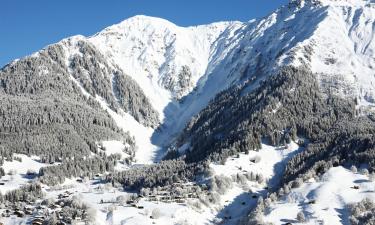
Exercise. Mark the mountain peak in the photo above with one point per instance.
(147, 20)
(334, 2)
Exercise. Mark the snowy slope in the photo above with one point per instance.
(342, 46)
(235, 202)
(154, 51)
(16, 172)
(332, 194)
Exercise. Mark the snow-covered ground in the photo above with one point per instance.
(332, 194)
(146, 150)
(234, 203)
(270, 164)
(16, 172)
(170, 213)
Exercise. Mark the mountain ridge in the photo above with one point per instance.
(180, 69)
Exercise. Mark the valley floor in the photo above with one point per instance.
(330, 195)
(233, 204)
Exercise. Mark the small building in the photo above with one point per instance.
(28, 211)
(55, 206)
(19, 213)
(37, 221)
(181, 201)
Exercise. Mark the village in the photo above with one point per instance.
(66, 208)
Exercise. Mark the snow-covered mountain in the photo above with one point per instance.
(328, 36)
(166, 60)
(180, 69)
(210, 92)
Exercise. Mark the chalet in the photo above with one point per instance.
(19, 213)
(165, 198)
(191, 195)
(78, 218)
(55, 206)
(31, 173)
(153, 198)
(69, 220)
(129, 202)
(312, 202)
(4, 214)
(181, 201)
(39, 217)
(60, 196)
(37, 221)
(28, 211)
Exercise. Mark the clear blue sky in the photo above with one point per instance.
(29, 25)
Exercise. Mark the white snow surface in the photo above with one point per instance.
(114, 147)
(231, 203)
(16, 172)
(332, 193)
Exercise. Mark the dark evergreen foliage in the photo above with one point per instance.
(53, 175)
(27, 193)
(362, 213)
(119, 90)
(43, 112)
(283, 106)
(161, 174)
